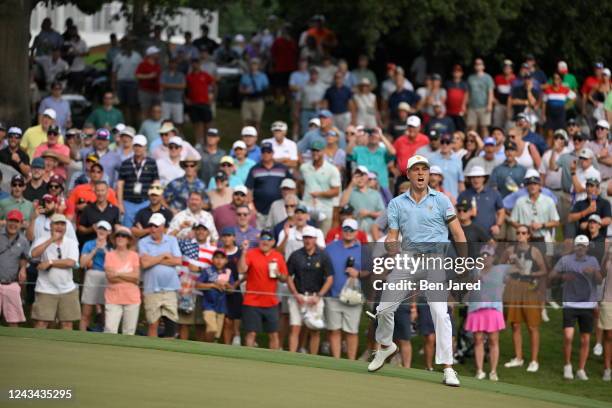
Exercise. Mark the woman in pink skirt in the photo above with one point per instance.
(485, 312)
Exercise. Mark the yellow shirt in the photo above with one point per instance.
(34, 137)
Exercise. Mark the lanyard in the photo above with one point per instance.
(138, 171)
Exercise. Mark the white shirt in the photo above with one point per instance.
(162, 151)
(187, 215)
(42, 229)
(57, 281)
(583, 176)
(294, 240)
(78, 63)
(287, 149)
(169, 170)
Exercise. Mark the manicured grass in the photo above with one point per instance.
(112, 370)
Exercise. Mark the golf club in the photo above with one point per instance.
(373, 316)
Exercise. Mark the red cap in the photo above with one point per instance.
(14, 215)
(50, 198)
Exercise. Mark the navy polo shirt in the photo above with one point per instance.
(265, 184)
(488, 202)
(602, 209)
(338, 99)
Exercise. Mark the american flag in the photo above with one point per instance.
(196, 254)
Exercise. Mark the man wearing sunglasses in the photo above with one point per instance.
(226, 215)
(177, 191)
(83, 194)
(170, 167)
(180, 225)
(14, 250)
(109, 159)
(141, 228)
(16, 201)
(57, 296)
(36, 188)
(37, 135)
(12, 153)
(55, 145)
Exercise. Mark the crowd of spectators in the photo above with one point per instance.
(111, 227)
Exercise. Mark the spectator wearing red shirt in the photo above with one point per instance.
(284, 55)
(503, 86)
(147, 74)
(336, 233)
(263, 267)
(406, 146)
(199, 85)
(456, 97)
(591, 82)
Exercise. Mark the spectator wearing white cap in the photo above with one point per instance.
(581, 274)
(436, 179)
(226, 215)
(160, 147)
(109, 160)
(278, 209)
(148, 73)
(36, 135)
(581, 172)
(368, 203)
(242, 162)
(59, 105)
(170, 167)
(92, 260)
(226, 166)
(489, 212)
(602, 149)
(285, 150)
(13, 155)
(249, 137)
(407, 144)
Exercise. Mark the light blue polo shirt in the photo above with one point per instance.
(451, 168)
(421, 223)
(160, 278)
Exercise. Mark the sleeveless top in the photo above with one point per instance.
(525, 158)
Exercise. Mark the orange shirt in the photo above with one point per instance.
(258, 279)
(86, 193)
(123, 293)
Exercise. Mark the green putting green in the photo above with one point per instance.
(111, 370)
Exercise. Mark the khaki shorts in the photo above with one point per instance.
(605, 316)
(523, 304)
(64, 307)
(161, 304)
(93, 287)
(195, 317)
(252, 110)
(214, 322)
(339, 316)
(478, 117)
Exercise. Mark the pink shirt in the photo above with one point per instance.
(123, 293)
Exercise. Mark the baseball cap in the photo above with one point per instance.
(364, 81)
(73, 132)
(413, 121)
(103, 134)
(309, 231)
(586, 153)
(140, 140)
(581, 240)
(347, 209)
(38, 163)
(279, 125)
(17, 177)
(476, 171)
(598, 65)
(239, 144)
(288, 183)
(489, 141)
(602, 123)
(56, 178)
(220, 175)
(104, 224)
(464, 205)
(324, 113)
(267, 147)
(317, 145)
(120, 229)
(49, 198)
(157, 219)
(403, 106)
(199, 223)
(50, 113)
(53, 129)
(521, 116)
(227, 159)
(175, 140)
(14, 130)
(315, 121)
(532, 177)
(14, 215)
(372, 175)
(446, 137)
(156, 189)
(214, 132)
(571, 121)
(228, 231)
(607, 72)
(152, 50)
(562, 133)
(166, 128)
(351, 224)
(417, 159)
(57, 217)
(302, 208)
(508, 62)
(562, 67)
(266, 235)
(241, 189)
(595, 218)
(580, 136)
(249, 131)
(593, 180)
(434, 134)
(436, 170)
(219, 251)
(362, 169)
(92, 157)
(120, 127)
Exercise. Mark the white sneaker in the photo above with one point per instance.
(598, 350)
(607, 375)
(493, 376)
(567, 372)
(581, 375)
(450, 377)
(545, 317)
(236, 341)
(480, 375)
(515, 362)
(380, 356)
(533, 367)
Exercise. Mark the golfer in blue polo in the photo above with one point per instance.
(424, 218)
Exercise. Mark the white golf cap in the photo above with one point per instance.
(279, 125)
(475, 171)
(104, 224)
(362, 169)
(152, 50)
(413, 121)
(417, 159)
(166, 128)
(50, 113)
(119, 127)
(14, 130)
(309, 231)
(602, 123)
(239, 144)
(288, 183)
(532, 173)
(175, 140)
(596, 218)
(249, 131)
(239, 38)
(436, 170)
(350, 223)
(586, 153)
(562, 66)
(581, 240)
(315, 121)
(241, 189)
(128, 131)
(403, 106)
(140, 140)
(157, 219)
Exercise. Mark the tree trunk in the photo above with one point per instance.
(14, 67)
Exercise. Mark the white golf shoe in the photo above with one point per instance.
(450, 378)
(567, 372)
(598, 350)
(581, 375)
(515, 362)
(533, 367)
(380, 356)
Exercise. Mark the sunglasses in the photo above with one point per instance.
(17, 185)
(578, 140)
(446, 142)
(522, 232)
(189, 165)
(174, 147)
(14, 136)
(461, 210)
(239, 193)
(348, 229)
(351, 133)
(164, 134)
(122, 235)
(59, 253)
(52, 134)
(54, 186)
(227, 165)
(600, 128)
